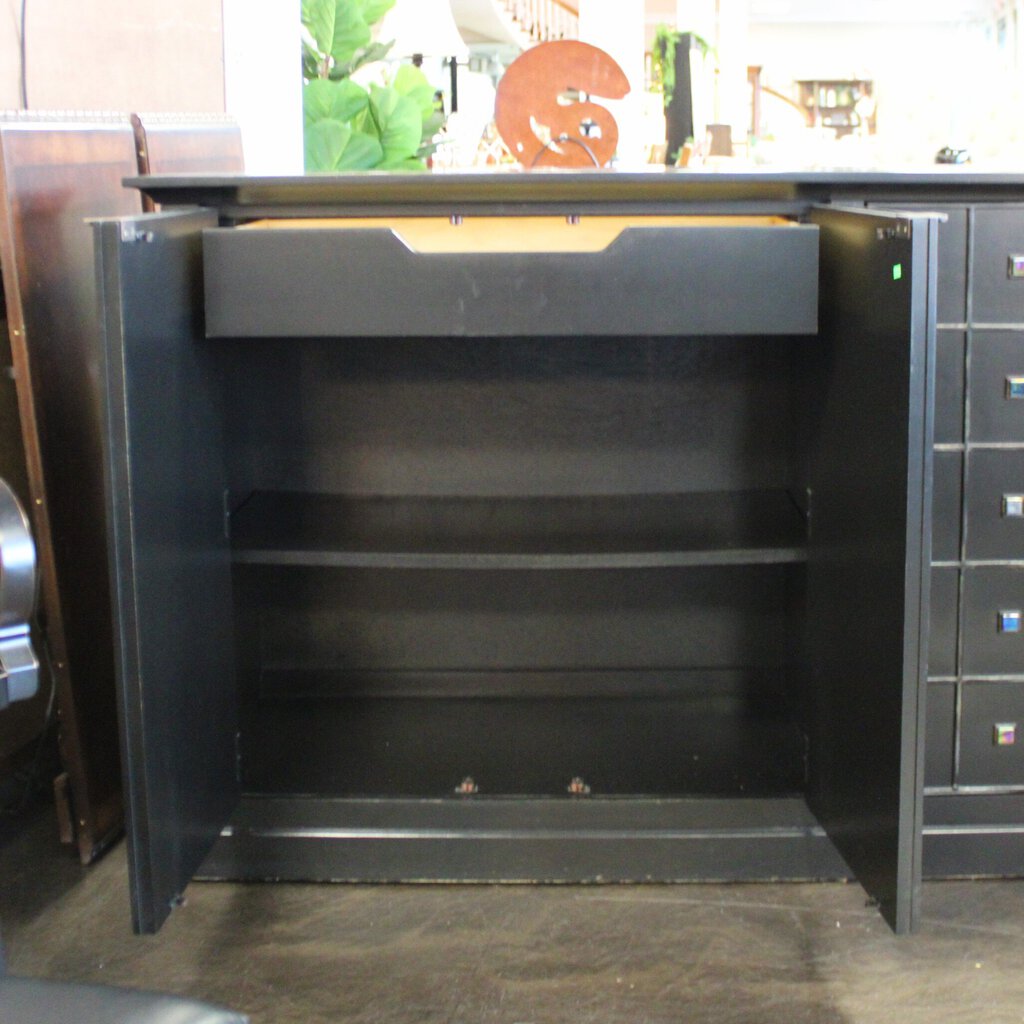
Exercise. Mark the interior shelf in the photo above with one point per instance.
(287, 528)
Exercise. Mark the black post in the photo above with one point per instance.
(679, 110)
(453, 68)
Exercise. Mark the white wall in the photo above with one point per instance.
(129, 55)
(263, 82)
(935, 84)
(618, 27)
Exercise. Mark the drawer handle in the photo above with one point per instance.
(1004, 734)
(1009, 621)
(1015, 387)
(1015, 268)
(1013, 506)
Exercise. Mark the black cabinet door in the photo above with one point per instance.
(869, 546)
(169, 554)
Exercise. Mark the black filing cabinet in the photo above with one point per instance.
(560, 528)
(976, 662)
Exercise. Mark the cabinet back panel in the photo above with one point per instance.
(427, 621)
(547, 416)
(685, 745)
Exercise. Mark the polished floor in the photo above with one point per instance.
(520, 955)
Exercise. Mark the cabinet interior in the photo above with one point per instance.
(520, 562)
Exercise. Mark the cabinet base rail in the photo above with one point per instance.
(523, 840)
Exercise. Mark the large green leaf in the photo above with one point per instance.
(333, 146)
(362, 153)
(374, 10)
(325, 141)
(351, 33)
(334, 101)
(410, 81)
(398, 123)
(318, 16)
(373, 52)
(310, 64)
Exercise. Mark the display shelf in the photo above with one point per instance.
(842, 104)
(596, 532)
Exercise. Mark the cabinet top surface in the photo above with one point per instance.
(247, 195)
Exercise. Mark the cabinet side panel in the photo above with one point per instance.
(170, 561)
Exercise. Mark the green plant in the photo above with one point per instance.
(663, 57)
(346, 126)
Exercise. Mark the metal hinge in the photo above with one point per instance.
(903, 229)
(131, 233)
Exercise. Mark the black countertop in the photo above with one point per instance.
(654, 190)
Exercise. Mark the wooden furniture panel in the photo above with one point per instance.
(54, 174)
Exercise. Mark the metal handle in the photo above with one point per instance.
(19, 667)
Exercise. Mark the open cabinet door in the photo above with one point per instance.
(870, 546)
(170, 561)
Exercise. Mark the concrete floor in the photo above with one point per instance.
(520, 955)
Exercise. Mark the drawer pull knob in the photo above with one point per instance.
(1004, 734)
(1013, 506)
(1015, 267)
(1015, 387)
(1009, 621)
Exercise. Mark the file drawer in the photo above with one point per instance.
(995, 504)
(992, 734)
(992, 625)
(512, 277)
(997, 386)
(998, 266)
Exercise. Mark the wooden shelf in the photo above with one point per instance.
(601, 532)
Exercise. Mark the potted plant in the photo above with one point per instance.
(671, 63)
(349, 127)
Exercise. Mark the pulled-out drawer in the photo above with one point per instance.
(511, 276)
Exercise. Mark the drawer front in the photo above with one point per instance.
(940, 730)
(345, 282)
(998, 292)
(946, 506)
(995, 504)
(997, 386)
(949, 387)
(942, 634)
(992, 734)
(993, 627)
